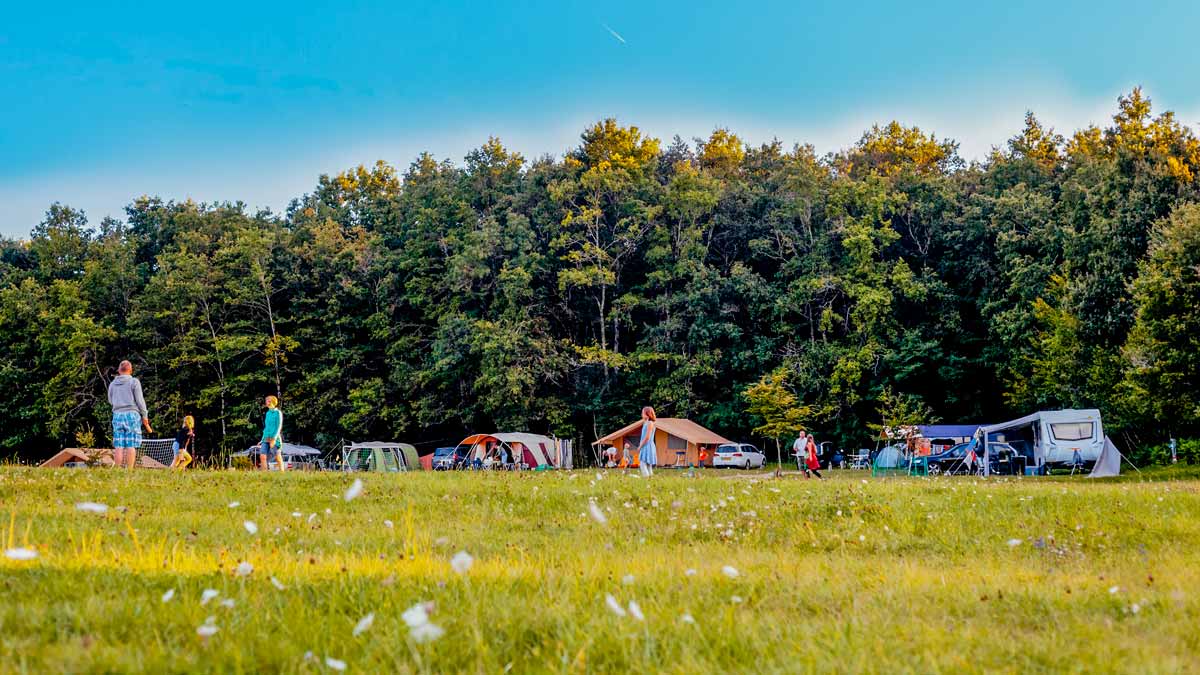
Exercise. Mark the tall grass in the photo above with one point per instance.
(848, 574)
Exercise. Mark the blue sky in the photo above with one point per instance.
(253, 100)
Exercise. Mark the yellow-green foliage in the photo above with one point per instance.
(845, 575)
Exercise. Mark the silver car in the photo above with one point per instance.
(738, 455)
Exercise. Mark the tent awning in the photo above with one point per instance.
(948, 430)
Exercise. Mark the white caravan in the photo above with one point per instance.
(1053, 435)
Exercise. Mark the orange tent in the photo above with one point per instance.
(679, 441)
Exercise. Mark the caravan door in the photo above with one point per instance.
(1065, 431)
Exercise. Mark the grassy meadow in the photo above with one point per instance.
(725, 572)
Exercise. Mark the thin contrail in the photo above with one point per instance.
(614, 33)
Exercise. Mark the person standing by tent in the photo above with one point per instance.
(183, 443)
(129, 415)
(272, 436)
(812, 463)
(647, 450)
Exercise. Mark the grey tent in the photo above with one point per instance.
(1109, 461)
(288, 450)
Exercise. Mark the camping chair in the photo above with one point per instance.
(1076, 463)
(861, 459)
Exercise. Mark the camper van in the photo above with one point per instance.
(1053, 436)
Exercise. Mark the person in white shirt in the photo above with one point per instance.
(800, 450)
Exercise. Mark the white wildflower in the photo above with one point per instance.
(335, 663)
(1114, 590)
(20, 554)
(689, 572)
(207, 630)
(208, 595)
(228, 603)
(91, 507)
(417, 615)
(687, 618)
(635, 611)
(597, 514)
(627, 579)
(388, 524)
(277, 584)
(250, 526)
(364, 624)
(354, 490)
(730, 572)
(234, 505)
(461, 562)
(426, 633)
(166, 597)
(1014, 542)
(244, 569)
(613, 605)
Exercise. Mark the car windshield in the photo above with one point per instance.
(727, 448)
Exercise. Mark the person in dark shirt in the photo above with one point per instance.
(183, 443)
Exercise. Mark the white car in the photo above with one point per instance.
(738, 455)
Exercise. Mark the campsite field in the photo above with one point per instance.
(852, 574)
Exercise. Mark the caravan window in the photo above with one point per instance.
(676, 443)
(1072, 431)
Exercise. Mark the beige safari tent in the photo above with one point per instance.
(96, 457)
(679, 441)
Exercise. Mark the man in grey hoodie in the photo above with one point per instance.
(129, 415)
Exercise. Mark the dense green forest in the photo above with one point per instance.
(561, 294)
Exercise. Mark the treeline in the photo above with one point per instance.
(562, 294)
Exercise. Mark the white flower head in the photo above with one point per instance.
(635, 611)
(166, 597)
(228, 603)
(427, 632)
(388, 524)
(335, 664)
(234, 505)
(243, 569)
(687, 618)
(91, 507)
(250, 526)
(1114, 590)
(20, 554)
(597, 513)
(364, 624)
(627, 580)
(208, 595)
(461, 562)
(277, 584)
(417, 615)
(730, 572)
(354, 490)
(207, 630)
(1013, 543)
(690, 572)
(613, 605)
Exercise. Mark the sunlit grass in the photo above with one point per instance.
(886, 575)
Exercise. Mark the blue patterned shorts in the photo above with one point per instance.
(127, 430)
